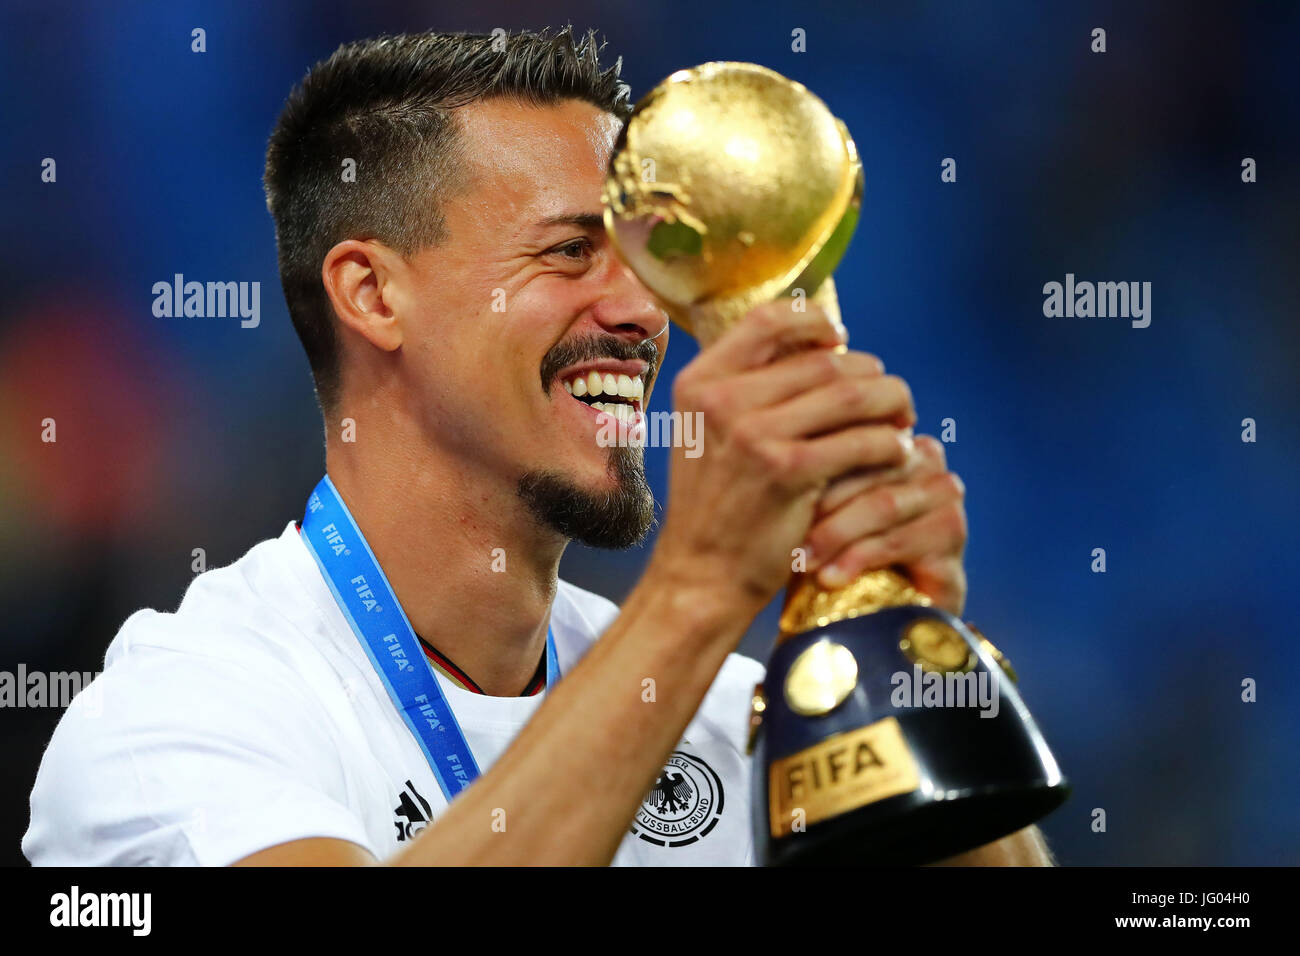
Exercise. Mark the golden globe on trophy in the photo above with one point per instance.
(732, 185)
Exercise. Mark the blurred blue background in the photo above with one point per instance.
(1072, 434)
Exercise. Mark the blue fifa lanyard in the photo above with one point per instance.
(367, 600)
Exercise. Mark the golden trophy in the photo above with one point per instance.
(730, 186)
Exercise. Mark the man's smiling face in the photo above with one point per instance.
(524, 313)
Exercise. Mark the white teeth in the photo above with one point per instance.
(629, 387)
(624, 413)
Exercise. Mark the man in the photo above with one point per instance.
(322, 700)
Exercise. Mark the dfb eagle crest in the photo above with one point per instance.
(671, 792)
(683, 806)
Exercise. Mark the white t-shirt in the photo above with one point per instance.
(252, 716)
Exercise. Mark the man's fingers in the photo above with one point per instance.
(819, 460)
(810, 369)
(943, 578)
(877, 511)
(922, 461)
(941, 531)
(844, 402)
(767, 332)
(932, 450)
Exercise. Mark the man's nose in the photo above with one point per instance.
(627, 307)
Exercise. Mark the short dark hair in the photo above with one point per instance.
(386, 104)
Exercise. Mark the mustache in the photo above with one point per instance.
(592, 347)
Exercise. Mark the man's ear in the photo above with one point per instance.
(357, 276)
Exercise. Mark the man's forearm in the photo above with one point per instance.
(566, 789)
(1023, 848)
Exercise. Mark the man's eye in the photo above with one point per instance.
(577, 249)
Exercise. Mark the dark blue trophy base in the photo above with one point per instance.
(982, 772)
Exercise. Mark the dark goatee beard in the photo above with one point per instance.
(611, 519)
